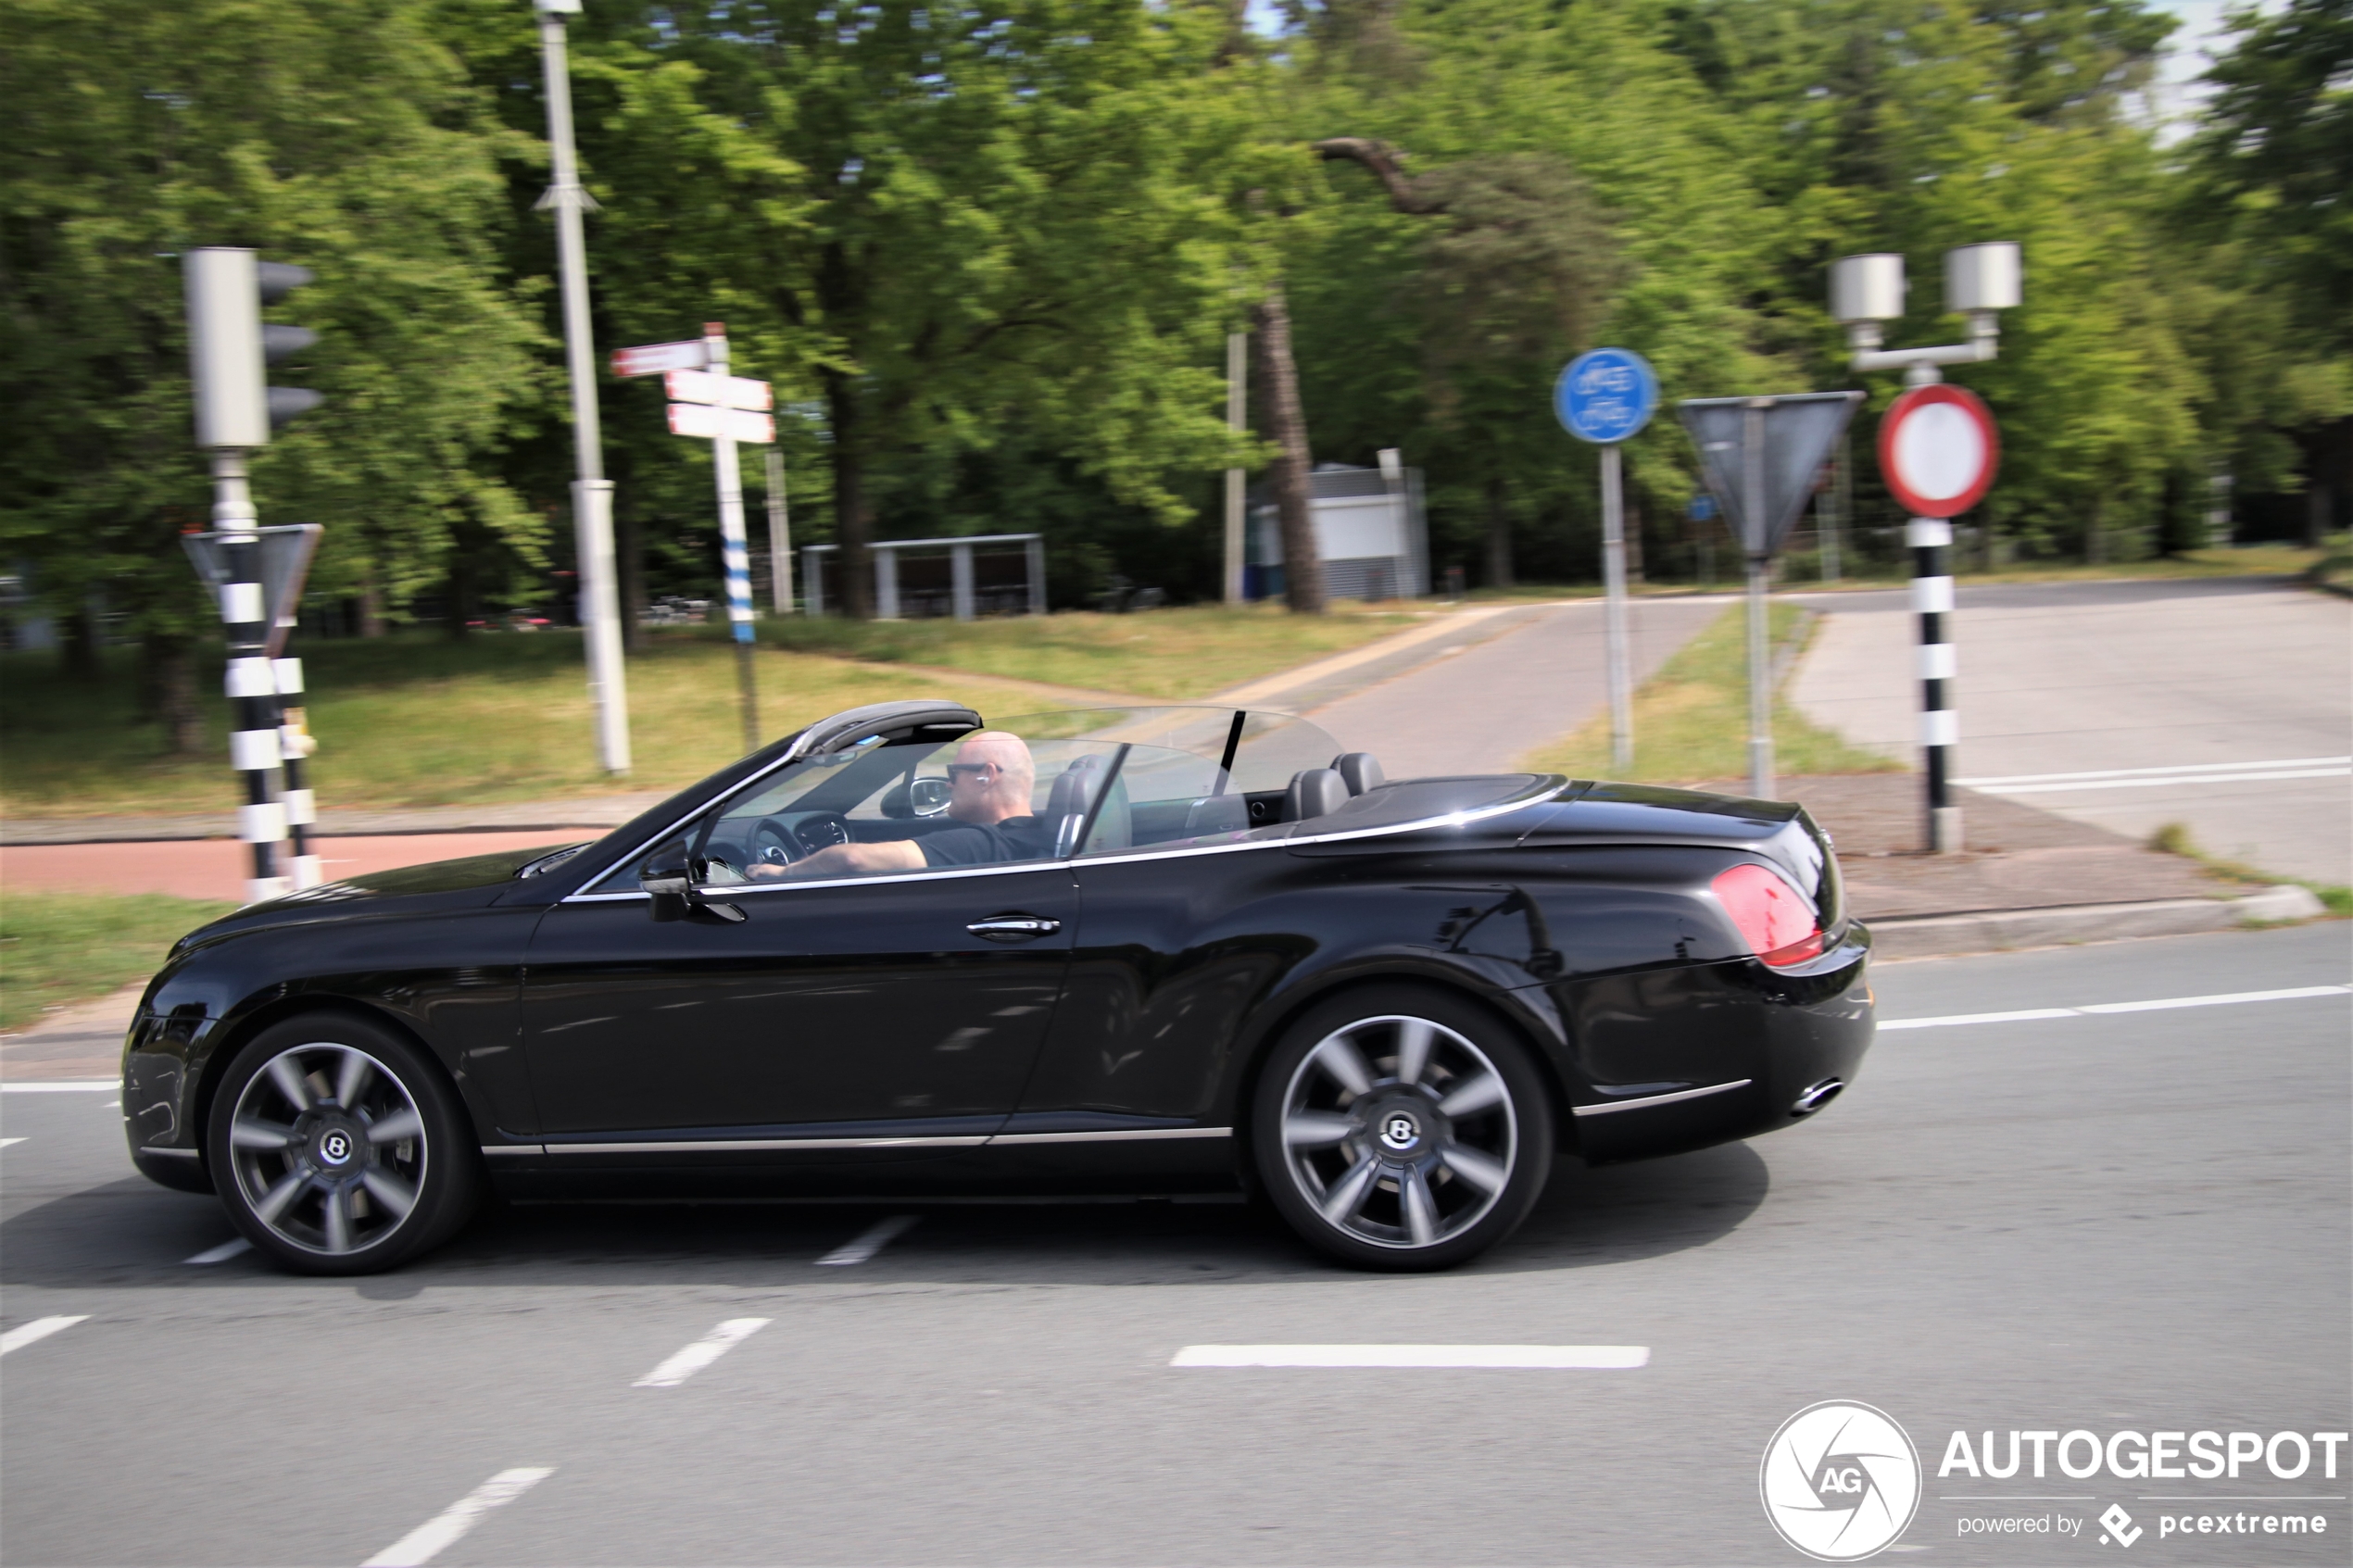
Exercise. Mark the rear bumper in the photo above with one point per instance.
(1681, 1058)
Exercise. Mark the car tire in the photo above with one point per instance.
(1384, 1172)
(339, 1147)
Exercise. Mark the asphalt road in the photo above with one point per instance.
(2097, 1221)
(2225, 705)
(1472, 707)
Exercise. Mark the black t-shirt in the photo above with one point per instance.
(970, 844)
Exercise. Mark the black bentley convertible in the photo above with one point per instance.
(1145, 952)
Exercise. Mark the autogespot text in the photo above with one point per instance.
(2153, 1456)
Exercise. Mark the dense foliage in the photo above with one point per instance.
(989, 254)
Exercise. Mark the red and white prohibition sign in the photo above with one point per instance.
(1938, 450)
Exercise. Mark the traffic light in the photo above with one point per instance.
(228, 346)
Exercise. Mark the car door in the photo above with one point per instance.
(841, 1014)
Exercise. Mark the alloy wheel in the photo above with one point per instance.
(1399, 1131)
(328, 1149)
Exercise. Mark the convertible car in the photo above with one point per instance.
(1144, 951)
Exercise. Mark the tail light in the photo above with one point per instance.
(1777, 920)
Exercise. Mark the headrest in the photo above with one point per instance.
(1314, 792)
(1075, 787)
(1358, 771)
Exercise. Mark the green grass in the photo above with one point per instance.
(58, 948)
(1168, 655)
(1691, 720)
(2174, 838)
(422, 720)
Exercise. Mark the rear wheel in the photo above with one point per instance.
(338, 1148)
(1399, 1127)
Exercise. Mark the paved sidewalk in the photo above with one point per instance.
(81, 1041)
(2224, 704)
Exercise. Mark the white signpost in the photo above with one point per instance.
(709, 404)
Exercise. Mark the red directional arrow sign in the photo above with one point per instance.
(1938, 450)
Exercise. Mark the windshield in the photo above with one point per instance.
(1033, 788)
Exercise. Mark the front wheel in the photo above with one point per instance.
(338, 1148)
(1401, 1128)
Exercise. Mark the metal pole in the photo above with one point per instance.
(1940, 724)
(1760, 663)
(1237, 420)
(779, 534)
(1830, 514)
(1621, 685)
(591, 494)
(296, 744)
(733, 551)
(255, 749)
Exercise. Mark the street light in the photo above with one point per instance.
(1980, 280)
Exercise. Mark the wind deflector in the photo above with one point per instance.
(932, 721)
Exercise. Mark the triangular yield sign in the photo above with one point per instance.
(286, 565)
(1795, 432)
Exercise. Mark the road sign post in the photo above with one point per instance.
(1607, 397)
(779, 534)
(1945, 447)
(711, 404)
(1761, 455)
(1938, 450)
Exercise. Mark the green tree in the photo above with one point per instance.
(335, 133)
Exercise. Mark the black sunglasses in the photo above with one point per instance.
(977, 769)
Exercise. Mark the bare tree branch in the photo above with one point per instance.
(1387, 165)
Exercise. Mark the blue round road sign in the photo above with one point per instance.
(1606, 396)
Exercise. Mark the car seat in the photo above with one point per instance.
(1066, 806)
(1358, 771)
(1314, 792)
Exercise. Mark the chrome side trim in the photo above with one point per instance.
(1646, 1102)
(1124, 1136)
(175, 1153)
(514, 1148)
(1451, 819)
(741, 1145)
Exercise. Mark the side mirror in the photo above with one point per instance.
(928, 796)
(669, 879)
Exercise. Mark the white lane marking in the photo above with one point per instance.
(701, 1353)
(2171, 779)
(1586, 1358)
(2162, 1004)
(429, 1539)
(223, 1252)
(63, 1086)
(10, 1143)
(39, 1328)
(2158, 772)
(877, 1236)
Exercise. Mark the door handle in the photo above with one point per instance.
(1014, 927)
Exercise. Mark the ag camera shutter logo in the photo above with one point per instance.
(1840, 1481)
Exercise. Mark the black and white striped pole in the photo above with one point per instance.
(255, 749)
(1938, 451)
(228, 349)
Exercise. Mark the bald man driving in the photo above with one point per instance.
(988, 788)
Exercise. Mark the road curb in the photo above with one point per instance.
(1994, 930)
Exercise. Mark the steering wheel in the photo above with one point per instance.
(778, 842)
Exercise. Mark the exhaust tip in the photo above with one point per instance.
(1820, 1094)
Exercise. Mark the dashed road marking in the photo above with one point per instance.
(701, 1353)
(877, 1236)
(63, 1086)
(221, 1253)
(10, 1143)
(1581, 1358)
(2094, 1009)
(436, 1534)
(39, 1328)
(2151, 778)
